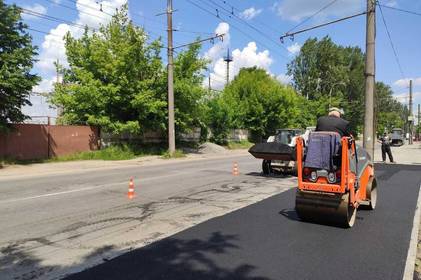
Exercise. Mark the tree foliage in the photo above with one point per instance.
(117, 80)
(324, 71)
(256, 101)
(389, 112)
(188, 90)
(16, 61)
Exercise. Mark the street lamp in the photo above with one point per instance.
(330, 92)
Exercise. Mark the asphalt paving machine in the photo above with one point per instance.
(335, 178)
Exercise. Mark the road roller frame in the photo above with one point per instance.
(324, 202)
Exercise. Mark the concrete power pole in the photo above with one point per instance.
(368, 141)
(419, 121)
(209, 84)
(171, 129)
(58, 71)
(228, 59)
(410, 115)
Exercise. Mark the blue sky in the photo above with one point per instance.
(249, 46)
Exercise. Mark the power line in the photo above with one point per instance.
(111, 15)
(217, 36)
(108, 5)
(73, 9)
(313, 15)
(54, 19)
(44, 32)
(398, 9)
(391, 43)
(233, 26)
(320, 25)
(233, 8)
(51, 18)
(240, 20)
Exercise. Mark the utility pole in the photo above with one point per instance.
(368, 141)
(209, 84)
(171, 129)
(419, 121)
(228, 59)
(57, 71)
(411, 115)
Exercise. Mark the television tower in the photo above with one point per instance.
(228, 59)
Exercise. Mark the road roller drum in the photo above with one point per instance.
(331, 189)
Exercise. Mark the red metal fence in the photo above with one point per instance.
(35, 141)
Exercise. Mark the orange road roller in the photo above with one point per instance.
(335, 178)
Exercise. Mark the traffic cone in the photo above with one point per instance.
(235, 170)
(130, 193)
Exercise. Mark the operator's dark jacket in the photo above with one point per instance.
(335, 124)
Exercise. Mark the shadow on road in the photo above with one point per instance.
(175, 259)
(290, 214)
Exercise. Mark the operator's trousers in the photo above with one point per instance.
(386, 149)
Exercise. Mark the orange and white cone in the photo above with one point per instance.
(235, 170)
(130, 193)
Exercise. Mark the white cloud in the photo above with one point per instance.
(46, 85)
(249, 56)
(250, 13)
(294, 48)
(297, 10)
(391, 3)
(405, 82)
(404, 97)
(285, 79)
(219, 49)
(36, 8)
(53, 48)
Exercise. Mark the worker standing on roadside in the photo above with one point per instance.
(385, 141)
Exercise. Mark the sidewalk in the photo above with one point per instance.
(406, 154)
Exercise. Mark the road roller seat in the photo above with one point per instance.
(323, 151)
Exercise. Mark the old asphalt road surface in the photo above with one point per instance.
(52, 225)
(266, 241)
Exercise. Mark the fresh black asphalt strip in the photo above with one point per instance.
(267, 241)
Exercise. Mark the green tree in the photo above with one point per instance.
(115, 79)
(16, 61)
(217, 120)
(256, 101)
(188, 89)
(324, 72)
(389, 112)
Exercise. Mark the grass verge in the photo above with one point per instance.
(177, 154)
(233, 145)
(115, 152)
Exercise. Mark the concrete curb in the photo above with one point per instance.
(412, 251)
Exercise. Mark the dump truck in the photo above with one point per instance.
(397, 137)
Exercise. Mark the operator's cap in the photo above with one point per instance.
(336, 109)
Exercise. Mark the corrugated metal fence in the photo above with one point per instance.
(37, 141)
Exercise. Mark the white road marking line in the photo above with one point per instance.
(412, 251)
(98, 187)
(88, 188)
